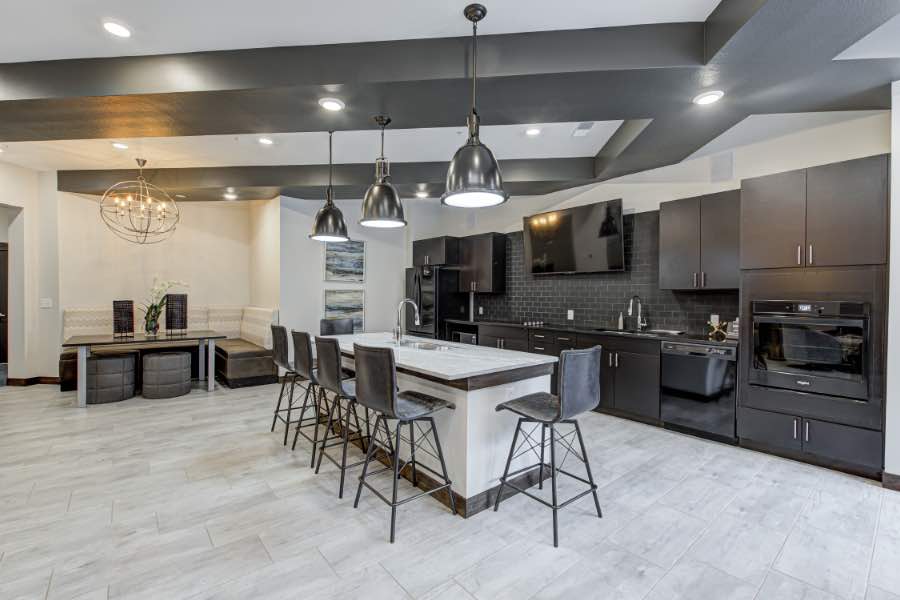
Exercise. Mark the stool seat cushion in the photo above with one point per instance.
(539, 406)
(238, 348)
(413, 405)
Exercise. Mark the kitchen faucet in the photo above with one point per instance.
(639, 322)
(398, 332)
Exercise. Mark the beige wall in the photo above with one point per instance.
(892, 404)
(210, 251)
(265, 252)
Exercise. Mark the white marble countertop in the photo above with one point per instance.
(452, 361)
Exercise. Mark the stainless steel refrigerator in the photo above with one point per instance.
(436, 292)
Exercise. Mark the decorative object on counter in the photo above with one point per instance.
(717, 328)
(381, 205)
(621, 324)
(329, 223)
(176, 314)
(155, 304)
(139, 212)
(123, 318)
(473, 178)
(345, 261)
(732, 332)
(343, 304)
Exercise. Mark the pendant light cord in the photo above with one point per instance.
(330, 168)
(382, 140)
(474, 62)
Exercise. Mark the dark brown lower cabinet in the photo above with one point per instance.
(637, 384)
(829, 442)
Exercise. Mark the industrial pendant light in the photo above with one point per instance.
(381, 205)
(473, 179)
(329, 225)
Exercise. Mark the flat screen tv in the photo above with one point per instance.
(582, 239)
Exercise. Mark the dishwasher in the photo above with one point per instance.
(698, 383)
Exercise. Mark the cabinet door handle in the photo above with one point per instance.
(538, 348)
(810, 254)
(610, 358)
(538, 336)
(806, 431)
(694, 280)
(799, 251)
(617, 360)
(703, 279)
(795, 429)
(561, 339)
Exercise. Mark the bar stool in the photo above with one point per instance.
(376, 389)
(330, 377)
(282, 360)
(335, 326)
(579, 391)
(314, 397)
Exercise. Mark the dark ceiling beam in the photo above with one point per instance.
(521, 176)
(654, 46)
(724, 22)
(618, 143)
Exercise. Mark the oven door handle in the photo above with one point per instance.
(861, 323)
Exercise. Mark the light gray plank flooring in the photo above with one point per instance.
(193, 498)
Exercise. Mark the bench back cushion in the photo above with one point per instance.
(226, 320)
(256, 325)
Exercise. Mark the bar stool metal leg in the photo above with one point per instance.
(396, 477)
(278, 407)
(440, 453)
(290, 406)
(553, 485)
(512, 450)
(543, 443)
(365, 470)
(587, 466)
(412, 451)
(334, 405)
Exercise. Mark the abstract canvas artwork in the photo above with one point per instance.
(345, 261)
(343, 304)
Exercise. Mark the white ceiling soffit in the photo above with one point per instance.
(758, 128)
(884, 42)
(310, 148)
(73, 28)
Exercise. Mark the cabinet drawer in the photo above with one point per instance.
(539, 347)
(509, 332)
(770, 428)
(565, 341)
(843, 443)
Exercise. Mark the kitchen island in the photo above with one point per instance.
(475, 438)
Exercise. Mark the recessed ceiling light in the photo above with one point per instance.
(230, 196)
(120, 146)
(266, 141)
(421, 194)
(332, 104)
(532, 131)
(709, 97)
(116, 29)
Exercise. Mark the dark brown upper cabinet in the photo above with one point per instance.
(482, 263)
(832, 215)
(699, 245)
(847, 212)
(442, 250)
(773, 220)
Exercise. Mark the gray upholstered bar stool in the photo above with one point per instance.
(330, 377)
(314, 398)
(282, 360)
(376, 389)
(335, 326)
(579, 391)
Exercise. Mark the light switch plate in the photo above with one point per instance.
(480, 310)
(46, 302)
(570, 315)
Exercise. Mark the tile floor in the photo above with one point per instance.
(194, 498)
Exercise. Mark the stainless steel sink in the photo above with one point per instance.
(425, 346)
(665, 332)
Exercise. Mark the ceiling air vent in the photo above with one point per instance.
(582, 129)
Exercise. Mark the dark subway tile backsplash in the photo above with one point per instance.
(598, 298)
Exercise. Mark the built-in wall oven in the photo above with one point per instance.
(819, 347)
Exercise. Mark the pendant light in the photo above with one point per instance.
(381, 205)
(473, 178)
(329, 225)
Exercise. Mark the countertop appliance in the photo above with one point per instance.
(697, 390)
(436, 292)
(819, 347)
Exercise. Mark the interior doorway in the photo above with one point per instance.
(4, 295)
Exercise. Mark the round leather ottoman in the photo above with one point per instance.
(110, 378)
(166, 374)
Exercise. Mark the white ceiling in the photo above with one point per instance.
(757, 128)
(72, 28)
(884, 42)
(401, 145)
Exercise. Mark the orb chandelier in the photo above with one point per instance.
(138, 211)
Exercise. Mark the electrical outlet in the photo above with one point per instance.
(480, 310)
(46, 302)
(570, 315)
